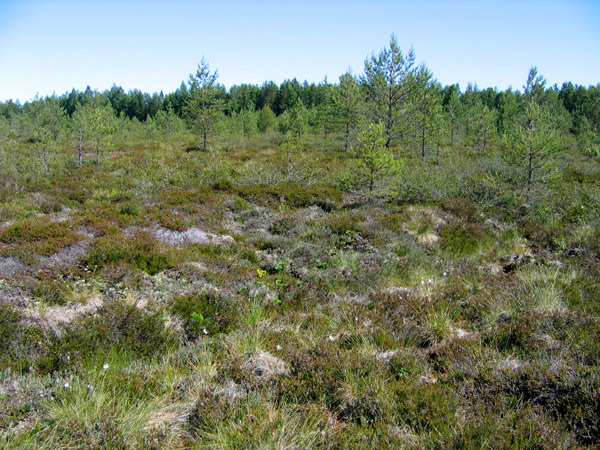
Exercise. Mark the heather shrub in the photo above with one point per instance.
(140, 250)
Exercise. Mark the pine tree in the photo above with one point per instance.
(389, 78)
(533, 143)
(298, 118)
(93, 124)
(376, 159)
(266, 119)
(428, 108)
(47, 119)
(204, 106)
(347, 102)
(454, 111)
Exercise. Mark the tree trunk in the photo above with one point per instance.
(388, 128)
(45, 161)
(79, 151)
(530, 168)
(531, 127)
(484, 139)
(347, 135)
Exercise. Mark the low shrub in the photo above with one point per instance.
(568, 392)
(222, 185)
(294, 196)
(463, 239)
(52, 291)
(129, 209)
(203, 313)
(343, 223)
(464, 208)
(548, 235)
(284, 224)
(515, 335)
(43, 238)
(9, 322)
(142, 251)
(174, 222)
(21, 343)
(120, 326)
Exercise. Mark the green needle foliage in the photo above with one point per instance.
(390, 82)
(533, 143)
(204, 105)
(47, 119)
(348, 103)
(374, 156)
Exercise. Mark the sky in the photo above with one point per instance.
(51, 47)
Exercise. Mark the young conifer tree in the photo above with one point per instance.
(204, 105)
(534, 141)
(347, 101)
(47, 119)
(376, 160)
(389, 79)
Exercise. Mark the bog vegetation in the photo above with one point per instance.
(382, 262)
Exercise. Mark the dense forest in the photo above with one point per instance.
(379, 262)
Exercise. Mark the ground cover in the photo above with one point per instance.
(238, 298)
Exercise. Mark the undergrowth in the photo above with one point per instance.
(446, 310)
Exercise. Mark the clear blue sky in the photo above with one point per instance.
(54, 46)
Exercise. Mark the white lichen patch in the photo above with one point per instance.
(52, 318)
(191, 236)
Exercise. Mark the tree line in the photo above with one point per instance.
(415, 111)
